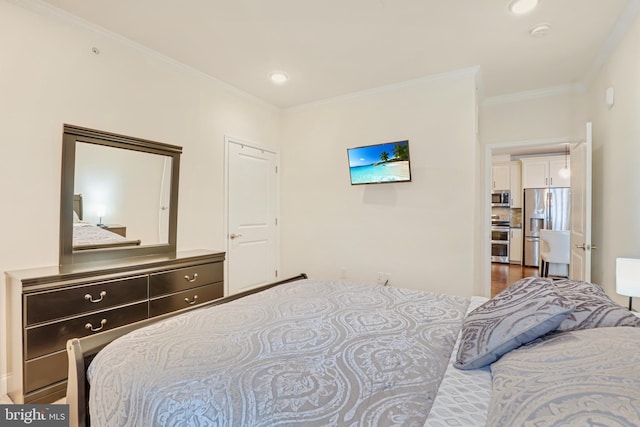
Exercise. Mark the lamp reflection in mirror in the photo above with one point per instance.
(100, 212)
(628, 277)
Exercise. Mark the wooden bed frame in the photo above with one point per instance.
(81, 352)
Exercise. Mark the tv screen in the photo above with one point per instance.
(380, 163)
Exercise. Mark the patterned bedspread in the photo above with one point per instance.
(89, 236)
(306, 353)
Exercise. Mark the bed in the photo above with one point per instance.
(90, 236)
(313, 352)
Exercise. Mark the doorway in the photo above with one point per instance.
(252, 203)
(506, 275)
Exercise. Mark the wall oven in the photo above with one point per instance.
(500, 241)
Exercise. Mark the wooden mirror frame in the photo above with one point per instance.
(73, 134)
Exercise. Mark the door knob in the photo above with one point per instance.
(585, 247)
(234, 235)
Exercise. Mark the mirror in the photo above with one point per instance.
(118, 196)
(120, 190)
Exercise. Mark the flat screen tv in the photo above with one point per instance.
(380, 163)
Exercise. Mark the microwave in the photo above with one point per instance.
(500, 198)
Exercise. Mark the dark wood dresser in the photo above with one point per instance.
(48, 306)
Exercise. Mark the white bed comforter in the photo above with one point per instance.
(304, 353)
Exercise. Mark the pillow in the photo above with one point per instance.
(524, 311)
(76, 218)
(577, 378)
(594, 308)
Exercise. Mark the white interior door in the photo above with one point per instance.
(581, 246)
(252, 201)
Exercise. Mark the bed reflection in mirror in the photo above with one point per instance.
(121, 197)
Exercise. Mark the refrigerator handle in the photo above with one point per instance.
(549, 225)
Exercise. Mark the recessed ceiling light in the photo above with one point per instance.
(279, 77)
(540, 30)
(520, 7)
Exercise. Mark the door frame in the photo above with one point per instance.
(587, 244)
(486, 220)
(229, 139)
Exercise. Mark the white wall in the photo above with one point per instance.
(616, 162)
(49, 76)
(421, 233)
(533, 116)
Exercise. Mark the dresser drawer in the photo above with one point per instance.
(52, 337)
(185, 299)
(45, 371)
(184, 278)
(56, 304)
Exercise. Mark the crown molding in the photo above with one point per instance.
(60, 15)
(452, 75)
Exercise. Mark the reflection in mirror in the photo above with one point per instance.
(124, 197)
(119, 196)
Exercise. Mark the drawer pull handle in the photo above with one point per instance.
(191, 279)
(89, 297)
(91, 328)
(193, 301)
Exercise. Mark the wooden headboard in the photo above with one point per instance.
(77, 204)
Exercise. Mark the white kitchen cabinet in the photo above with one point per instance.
(543, 172)
(500, 177)
(515, 246)
(535, 173)
(555, 179)
(508, 177)
(515, 184)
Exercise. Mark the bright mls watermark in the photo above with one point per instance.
(34, 415)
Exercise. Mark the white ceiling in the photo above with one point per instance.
(331, 48)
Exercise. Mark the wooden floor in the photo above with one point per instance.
(503, 275)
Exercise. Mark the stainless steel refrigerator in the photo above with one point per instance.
(544, 208)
